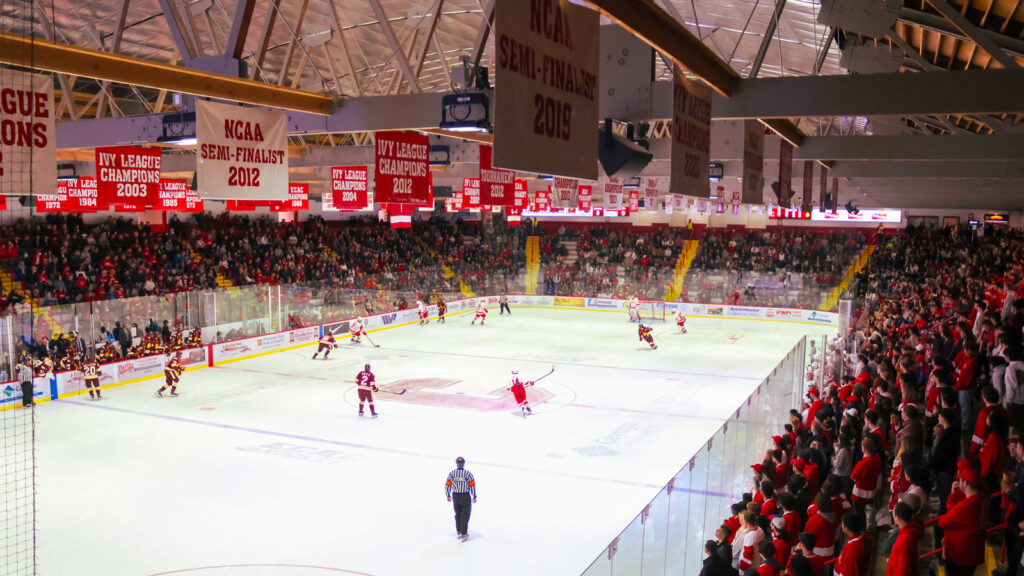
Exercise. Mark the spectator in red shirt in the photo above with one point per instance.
(855, 559)
(904, 558)
(804, 553)
(966, 374)
(865, 478)
(963, 544)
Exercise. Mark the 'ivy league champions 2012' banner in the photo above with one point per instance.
(402, 168)
(242, 152)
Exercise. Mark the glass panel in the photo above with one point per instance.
(677, 560)
(602, 566)
(656, 536)
(698, 501)
(629, 556)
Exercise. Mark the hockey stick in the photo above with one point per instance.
(370, 340)
(395, 393)
(545, 376)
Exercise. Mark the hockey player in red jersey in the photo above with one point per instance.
(357, 329)
(481, 313)
(172, 371)
(91, 371)
(422, 312)
(518, 389)
(327, 344)
(644, 332)
(442, 308)
(366, 388)
(681, 321)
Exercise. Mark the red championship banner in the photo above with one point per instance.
(349, 188)
(403, 168)
(613, 193)
(193, 203)
(585, 196)
(57, 202)
(545, 103)
(565, 192)
(172, 195)
(127, 175)
(634, 200)
(691, 136)
(242, 152)
(28, 146)
(243, 205)
(522, 193)
(3, 202)
(470, 193)
(542, 200)
(454, 204)
(298, 199)
(753, 162)
(82, 196)
(496, 186)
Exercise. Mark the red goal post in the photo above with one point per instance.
(652, 311)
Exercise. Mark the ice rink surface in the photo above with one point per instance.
(262, 467)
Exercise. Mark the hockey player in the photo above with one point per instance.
(327, 344)
(644, 332)
(481, 313)
(442, 308)
(518, 389)
(177, 342)
(43, 368)
(365, 382)
(172, 371)
(422, 312)
(108, 353)
(91, 372)
(634, 309)
(681, 321)
(195, 338)
(357, 329)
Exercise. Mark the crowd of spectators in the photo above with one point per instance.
(906, 449)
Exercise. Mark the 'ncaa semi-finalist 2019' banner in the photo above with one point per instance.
(546, 109)
(243, 152)
(28, 142)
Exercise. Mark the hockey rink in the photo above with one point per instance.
(262, 466)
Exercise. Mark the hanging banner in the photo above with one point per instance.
(402, 168)
(785, 173)
(497, 187)
(542, 200)
(193, 203)
(242, 205)
(808, 198)
(171, 195)
(454, 204)
(81, 195)
(634, 200)
(3, 202)
(28, 141)
(56, 202)
(298, 199)
(585, 195)
(651, 199)
(513, 216)
(127, 175)
(753, 162)
(691, 137)
(565, 192)
(546, 97)
(835, 195)
(522, 193)
(822, 188)
(349, 189)
(470, 193)
(242, 153)
(613, 193)
(399, 215)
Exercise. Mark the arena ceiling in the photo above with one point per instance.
(352, 49)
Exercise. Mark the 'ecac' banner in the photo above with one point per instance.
(403, 168)
(242, 152)
(127, 175)
(349, 186)
(497, 186)
(545, 106)
(28, 148)
(522, 192)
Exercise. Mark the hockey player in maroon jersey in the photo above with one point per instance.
(481, 313)
(366, 388)
(195, 338)
(108, 353)
(43, 367)
(644, 332)
(177, 342)
(327, 344)
(518, 389)
(357, 330)
(172, 371)
(681, 321)
(442, 308)
(91, 371)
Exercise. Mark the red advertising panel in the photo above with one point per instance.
(298, 199)
(496, 186)
(127, 175)
(349, 188)
(586, 193)
(403, 168)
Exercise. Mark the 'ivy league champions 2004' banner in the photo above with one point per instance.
(242, 152)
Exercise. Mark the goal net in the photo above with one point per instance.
(651, 311)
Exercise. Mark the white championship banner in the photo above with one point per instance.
(691, 137)
(545, 100)
(28, 141)
(753, 162)
(242, 152)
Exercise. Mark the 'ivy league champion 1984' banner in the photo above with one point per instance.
(242, 152)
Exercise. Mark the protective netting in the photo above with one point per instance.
(17, 491)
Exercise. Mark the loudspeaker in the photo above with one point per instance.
(620, 156)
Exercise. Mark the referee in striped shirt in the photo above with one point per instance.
(461, 486)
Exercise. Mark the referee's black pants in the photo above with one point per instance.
(463, 505)
(26, 394)
(504, 308)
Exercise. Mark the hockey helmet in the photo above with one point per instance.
(460, 460)
(515, 372)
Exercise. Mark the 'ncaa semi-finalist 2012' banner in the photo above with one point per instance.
(28, 141)
(546, 108)
(243, 152)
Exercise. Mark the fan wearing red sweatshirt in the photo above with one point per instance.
(823, 524)
(963, 544)
(865, 477)
(855, 559)
(903, 560)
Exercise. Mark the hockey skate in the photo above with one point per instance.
(175, 394)
(159, 394)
